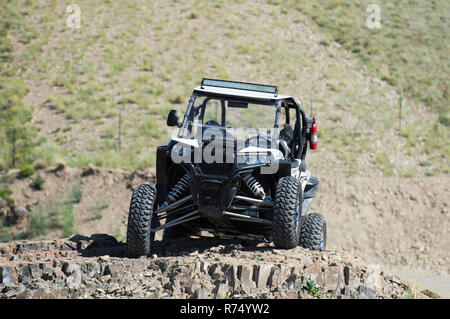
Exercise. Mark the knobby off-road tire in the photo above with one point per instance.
(313, 232)
(287, 213)
(139, 237)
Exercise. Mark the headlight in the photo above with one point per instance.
(252, 159)
(260, 158)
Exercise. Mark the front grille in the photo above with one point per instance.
(210, 190)
(216, 168)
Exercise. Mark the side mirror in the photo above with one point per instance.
(172, 119)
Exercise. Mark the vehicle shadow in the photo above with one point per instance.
(188, 246)
(99, 245)
(102, 244)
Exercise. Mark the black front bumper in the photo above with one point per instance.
(214, 193)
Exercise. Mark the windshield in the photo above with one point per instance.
(243, 119)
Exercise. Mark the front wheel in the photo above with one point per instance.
(139, 236)
(313, 232)
(287, 213)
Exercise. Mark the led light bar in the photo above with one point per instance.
(240, 86)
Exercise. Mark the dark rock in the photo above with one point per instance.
(293, 295)
(162, 264)
(231, 276)
(73, 271)
(90, 170)
(294, 282)
(24, 274)
(366, 293)
(58, 273)
(214, 271)
(45, 293)
(333, 279)
(430, 294)
(17, 214)
(201, 294)
(69, 246)
(21, 248)
(373, 279)
(262, 275)
(245, 273)
(47, 273)
(114, 270)
(220, 291)
(347, 272)
(314, 272)
(35, 271)
(351, 277)
(192, 286)
(24, 294)
(274, 279)
(91, 269)
(345, 292)
(154, 295)
(70, 268)
(8, 275)
(138, 266)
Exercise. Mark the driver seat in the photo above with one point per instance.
(286, 140)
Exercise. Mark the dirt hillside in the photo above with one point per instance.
(400, 223)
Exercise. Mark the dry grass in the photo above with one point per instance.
(148, 57)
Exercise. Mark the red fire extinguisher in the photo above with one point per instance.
(313, 135)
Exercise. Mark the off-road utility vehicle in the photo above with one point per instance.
(230, 170)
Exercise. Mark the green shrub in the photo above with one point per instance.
(5, 193)
(69, 222)
(46, 154)
(118, 234)
(312, 289)
(2, 165)
(193, 15)
(77, 193)
(424, 163)
(98, 208)
(26, 170)
(409, 294)
(61, 217)
(385, 165)
(5, 236)
(38, 182)
(38, 223)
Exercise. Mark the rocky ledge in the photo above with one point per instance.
(97, 267)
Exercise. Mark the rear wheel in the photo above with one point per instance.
(287, 212)
(313, 232)
(139, 236)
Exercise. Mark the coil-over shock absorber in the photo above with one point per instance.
(180, 187)
(254, 185)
